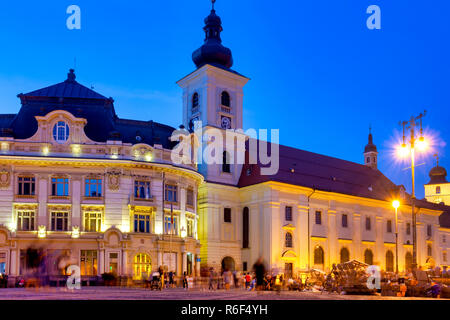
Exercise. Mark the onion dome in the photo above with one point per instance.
(212, 51)
(370, 147)
(438, 174)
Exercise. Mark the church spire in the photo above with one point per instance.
(212, 51)
(370, 152)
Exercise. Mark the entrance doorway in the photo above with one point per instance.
(288, 270)
(228, 264)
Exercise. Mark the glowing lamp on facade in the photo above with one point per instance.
(158, 228)
(183, 232)
(5, 146)
(12, 227)
(42, 233)
(45, 150)
(76, 149)
(148, 157)
(75, 232)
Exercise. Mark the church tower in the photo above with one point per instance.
(370, 153)
(213, 96)
(437, 190)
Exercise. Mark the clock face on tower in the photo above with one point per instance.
(226, 122)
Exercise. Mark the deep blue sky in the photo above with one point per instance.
(318, 74)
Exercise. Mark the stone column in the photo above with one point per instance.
(357, 252)
(197, 265)
(421, 244)
(124, 266)
(101, 262)
(379, 240)
(42, 218)
(76, 201)
(332, 239)
(302, 235)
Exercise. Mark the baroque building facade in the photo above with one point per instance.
(109, 195)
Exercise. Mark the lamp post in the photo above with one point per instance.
(421, 144)
(396, 204)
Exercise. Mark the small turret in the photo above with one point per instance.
(371, 153)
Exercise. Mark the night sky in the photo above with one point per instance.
(317, 72)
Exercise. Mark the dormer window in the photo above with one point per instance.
(225, 99)
(61, 132)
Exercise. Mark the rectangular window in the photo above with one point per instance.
(389, 226)
(408, 228)
(60, 187)
(244, 266)
(288, 213)
(444, 239)
(227, 215)
(444, 256)
(344, 221)
(190, 197)
(318, 217)
(170, 193)
(368, 223)
(60, 221)
(93, 188)
(170, 227)
(142, 190)
(25, 220)
(429, 231)
(26, 186)
(88, 262)
(92, 221)
(142, 223)
(190, 227)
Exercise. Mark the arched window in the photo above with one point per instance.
(288, 240)
(368, 257)
(194, 101)
(318, 255)
(245, 228)
(345, 255)
(225, 99)
(389, 261)
(226, 162)
(61, 132)
(408, 260)
(142, 266)
(438, 189)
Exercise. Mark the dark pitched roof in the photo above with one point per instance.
(69, 88)
(320, 172)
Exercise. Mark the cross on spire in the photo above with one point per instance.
(437, 159)
(213, 2)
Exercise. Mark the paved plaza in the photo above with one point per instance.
(116, 293)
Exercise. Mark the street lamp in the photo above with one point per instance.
(421, 145)
(396, 204)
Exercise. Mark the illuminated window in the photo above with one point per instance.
(288, 240)
(288, 213)
(142, 223)
(142, 190)
(389, 261)
(60, 187)
(60, 221)
(438, 189)
(318, 217)
(429, 251)
(25, 220)
(444, 256)
(92, 221)
(318, 255)
(170, 227)
(368, 257)
(61, 132)
(345, 255)
(408, 228)
(190, 227)
(142, 266)
(171, 193)
(88, 262)
(93, 187)
(26, 186)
